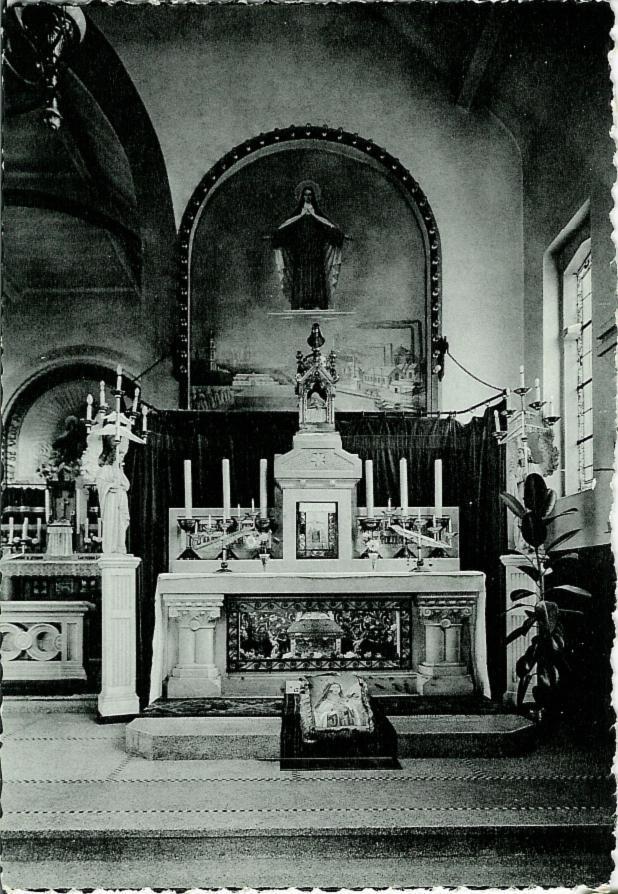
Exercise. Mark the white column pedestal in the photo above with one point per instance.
(118, 697)
(443, 671)
(516, 580)
(195, 674)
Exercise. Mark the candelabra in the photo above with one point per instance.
(117, 422)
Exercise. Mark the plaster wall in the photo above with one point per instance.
(209, 81)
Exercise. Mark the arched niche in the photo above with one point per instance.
(237, 332)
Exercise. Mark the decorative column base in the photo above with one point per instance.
(118, 698)
(443, 680)
(442, 671)
(195, 674)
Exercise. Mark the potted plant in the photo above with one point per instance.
(546, 655)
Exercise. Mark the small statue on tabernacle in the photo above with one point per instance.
(113, 487)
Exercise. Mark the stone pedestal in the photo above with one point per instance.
(118, 697)
(443, 670)
(516, 580)
(59, 539)
(195, 673)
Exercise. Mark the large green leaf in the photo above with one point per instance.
(521, 594)
(562, 539)
(535, 493)
(513, 504)
(531, 570)
(533, 528)
(520, 631)
(568, 511)
(522, 688)
(550, 502)
(570, 588)
(526, 662)
(547, 616)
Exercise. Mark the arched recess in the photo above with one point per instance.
(333, 141)
(36, 415)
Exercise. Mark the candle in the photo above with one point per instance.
(403, 484)
(119, 378)
(144, 421)
(550, 406)
(238, 512)
(99, 528)
(433, 522)
(11, 529)
(117, 417)
(389, 504)
(437, 471)
(210, 521)
(263, 489)
(225, 469)
(135, 398)
(24, 529)
(78, 508)
(188, 490)
(89, 401)
(369, 487)
(102, 398)
(537, 391)
(522, 377)
(38, 529)
(497, 420)
(508, 399)
(47, 506)
(252, 506)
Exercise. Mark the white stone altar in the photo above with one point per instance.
(388, 576)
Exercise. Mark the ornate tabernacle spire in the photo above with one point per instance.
(316, 377)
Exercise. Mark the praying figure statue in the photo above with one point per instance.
(113, 486)
(308, 252)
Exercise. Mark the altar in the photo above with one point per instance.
(309, 582)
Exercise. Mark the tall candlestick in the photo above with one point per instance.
(537, 391)
(522, 376)
(225, 469)
(437, 500)
(117, 436)
(24, 529)
(252, 506)
(99, 527)
(119, 378)
(497, 421)
(144, 419)
(263, 489)
(135, 398)
(78, 508)
(89, 401)
(38, 529)
(47, 506)
(369, 487)
(508, 400)
(188, 490)
(403, 484)
(102, 398)
(238, 515)
(11, 529)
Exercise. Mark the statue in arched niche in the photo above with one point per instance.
(308, 251)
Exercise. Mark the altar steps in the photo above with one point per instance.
(258, 738)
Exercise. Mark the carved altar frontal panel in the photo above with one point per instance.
(358, 634)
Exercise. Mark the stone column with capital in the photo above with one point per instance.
(118, 697)
(195, 673)
(443, 670)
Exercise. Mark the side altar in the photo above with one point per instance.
(310, 582)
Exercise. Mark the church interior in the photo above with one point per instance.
(308, 432)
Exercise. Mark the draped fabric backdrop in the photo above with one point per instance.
(473, 467)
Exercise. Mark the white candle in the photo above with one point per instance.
(24, 529)
(210, 521)
(89, 401)
(102, 398)
(144, 419)
(497, 420)
(135, 398)
(369, 487)
(437, 472)
(550, 406)
(78, 508)
(522, 376)
(119, 378)
(47, 506)
(117, 417)
(238, 512)
(11, 529)
(537, 391)
(188, 490)
(508, 399)
(390, 505)
(225, 469)
(263, 489)
(99, 527)
(252, 506)
(403, 484)
(38, 528)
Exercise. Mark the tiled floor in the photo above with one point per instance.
(79, 811)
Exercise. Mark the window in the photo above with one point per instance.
(577, 369)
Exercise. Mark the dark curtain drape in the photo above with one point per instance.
(473, 476)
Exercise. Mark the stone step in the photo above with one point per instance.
(258, 738)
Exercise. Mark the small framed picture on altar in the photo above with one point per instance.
(316, 531)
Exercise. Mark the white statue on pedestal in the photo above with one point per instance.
(113, 487)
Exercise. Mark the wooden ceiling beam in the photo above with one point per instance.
(479, 62)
